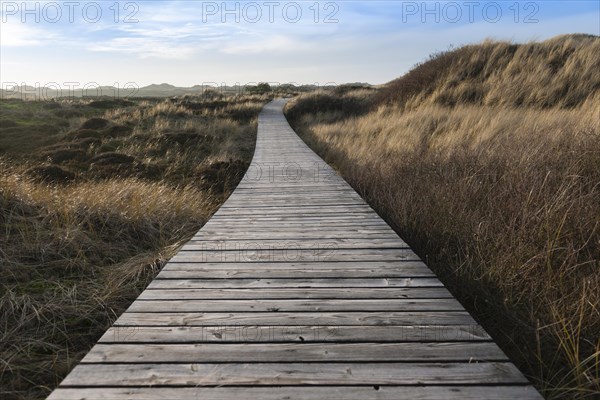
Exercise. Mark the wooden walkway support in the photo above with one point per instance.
(295, 289)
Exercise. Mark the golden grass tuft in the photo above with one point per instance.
(72, 260)
(560, 72)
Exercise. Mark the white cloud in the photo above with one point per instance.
(17, 34)
(176, 42)
(269, 44)
(144, 47)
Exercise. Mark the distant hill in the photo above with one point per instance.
(562, 71)
(165, 89)
(153, 90)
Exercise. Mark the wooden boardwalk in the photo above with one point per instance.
(295, 289)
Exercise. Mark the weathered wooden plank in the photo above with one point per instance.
(327, 253)
(288, 186)
(290, 214)
(312, 199)
(250, 221)
(276, 283)
(296, 212)
(291, 206)
(285, 273)
(353, 230)
(340, 198)
(338, 219)
(295, 305)
(293, 293)
(297, 235)
(293, 374)
(406, 265)
(315, 220)
(314, 192)
(277, 244)
(304, 393)
(294, 318)
(277, 334)
(314, 195)
(289, 246)
(298, 209)
(295, 352)
(342, 218)
(365, 230)
(244, 189)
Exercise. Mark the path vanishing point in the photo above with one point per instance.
(295, 289)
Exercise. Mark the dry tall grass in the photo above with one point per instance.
(72, 259)
(561, 72)
(143, 177)
(503, 202)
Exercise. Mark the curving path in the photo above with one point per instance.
(295, 289)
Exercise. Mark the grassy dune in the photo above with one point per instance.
(486, 160)
(94, 197)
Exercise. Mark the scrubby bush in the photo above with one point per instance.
(51, 174)
(95, 123)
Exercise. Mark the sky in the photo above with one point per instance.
(185, 43)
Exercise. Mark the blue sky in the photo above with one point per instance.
(195, 42)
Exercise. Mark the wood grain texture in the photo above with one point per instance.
(381, 318)
(294, 293)
(286, 374)
(196, 273)
(295, 305)
(294, 334)
(304, 283)
(294, 352)
(303, 393)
